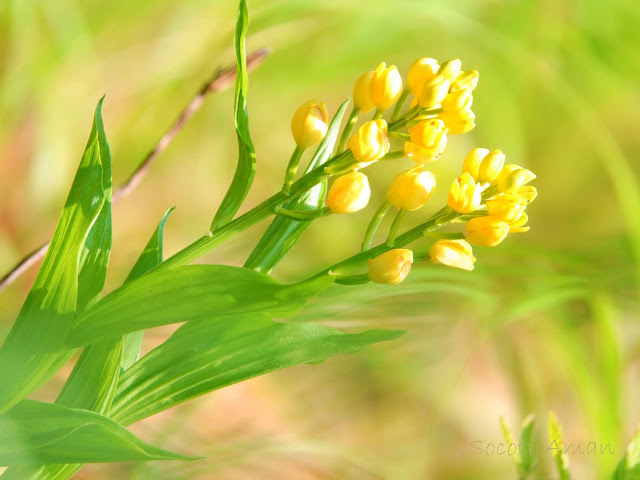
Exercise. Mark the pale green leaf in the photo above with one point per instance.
(204, 356)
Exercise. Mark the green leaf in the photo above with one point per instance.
(188, 293)
(246, 167)
(528, 459)
(70, 278)
(36, 432)
(284, 233)
(151, 256)
(557, 447)
(204, 356)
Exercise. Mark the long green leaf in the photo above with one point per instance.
(188, 293)
(204, 356)
(36, 432)
(246, 168)
(284, 233)
(71, 276)
(151, 257)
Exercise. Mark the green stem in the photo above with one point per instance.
(304, 215)
(292, 168)
(393, 231)
(394, 154)
(378, 114)
(359, 260)
(405, 137)
(374, 224)
(400, 104)
(346, 133)
(352, 279)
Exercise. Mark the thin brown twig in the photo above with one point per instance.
(222, 79)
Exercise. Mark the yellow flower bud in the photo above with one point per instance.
(473, 160)
(411, 189)
(385, 86)
(491, 166)
(465, 80)
(433, 91)
(513, 177)
(456, 101)
(309, 124)
(450, 69)
(370, 142)
(391, 267)
(420, 72)
(507, 207)
(465, 195)
(461, 121)
(526, 194)
(361, 95)
(452, 253)
(349, 193)
(428, 141)
(486, 231)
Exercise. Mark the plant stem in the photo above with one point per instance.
(360, 259)
(378, 114)
(393, 231)
(399, 104)
(374, 224)
(353, 118)
(292, 168)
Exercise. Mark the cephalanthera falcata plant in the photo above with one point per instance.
(229, 334)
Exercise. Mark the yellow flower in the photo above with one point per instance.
(486, 231)
(473, 160)
(420, 72)
(508, 208)
(450, 69)
(433, 91)
(428, 141)
(512, 177)
(491, 166)
(461, 121)
(458, 100)
(385, 86)
(391, 267)
(309, 124)
(465, 80)
(370, 142)
(465, 195)
(411, 189)
(452, 253)
(349, 193)
(361, 95)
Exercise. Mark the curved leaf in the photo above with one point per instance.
(36, 432)
(204, 356)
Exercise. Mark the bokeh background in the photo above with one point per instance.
(547, 321)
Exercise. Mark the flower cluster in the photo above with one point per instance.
(488, 196)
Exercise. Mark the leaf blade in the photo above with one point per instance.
(246, 167)
(37, 432)
(204, 356)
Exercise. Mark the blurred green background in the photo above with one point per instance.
(547, 321)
